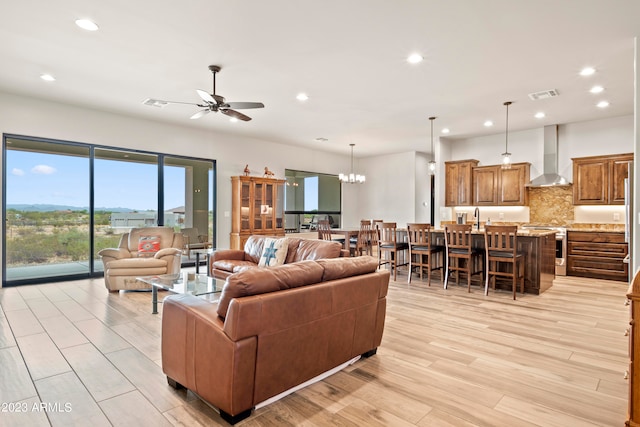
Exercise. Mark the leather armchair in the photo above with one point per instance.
(123, 264)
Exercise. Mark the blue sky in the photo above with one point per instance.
(39, 178)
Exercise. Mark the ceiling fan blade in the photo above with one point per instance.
(245, 105)
(236, 115)
(161, 103)
(200, 114)
(206, 96)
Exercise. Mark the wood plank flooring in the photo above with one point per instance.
(73, 354)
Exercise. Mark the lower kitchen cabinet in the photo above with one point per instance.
(597, 254)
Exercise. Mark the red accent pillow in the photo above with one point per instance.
(148, 246)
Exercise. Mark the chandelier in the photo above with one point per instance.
(351, 177)
(432, 163)
(506, 156)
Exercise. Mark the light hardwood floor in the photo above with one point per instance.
(448, 358)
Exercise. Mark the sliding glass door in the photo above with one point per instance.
(63, 202)
(47, 218)
(125, 196)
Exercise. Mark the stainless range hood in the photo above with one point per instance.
(550, 177)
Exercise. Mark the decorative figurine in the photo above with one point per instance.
(246, 170)
(268, 173)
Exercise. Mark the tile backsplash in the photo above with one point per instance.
(551, 205)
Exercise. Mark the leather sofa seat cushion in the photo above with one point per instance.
(339, 268)
(311, 249)
(232, 265)
(255, 281)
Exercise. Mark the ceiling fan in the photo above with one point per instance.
(212, 102)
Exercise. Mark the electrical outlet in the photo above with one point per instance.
(616, 216)
(501, 215)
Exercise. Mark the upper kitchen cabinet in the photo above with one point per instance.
(458, 182)
(599, 180)
(494, 186)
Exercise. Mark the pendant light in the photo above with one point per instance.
(506, 156)
(351, 177)
(432, 163)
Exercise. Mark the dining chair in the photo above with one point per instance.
(389, 245)
(501, 244)
(422, 252)
(324, 231)
(361, 244)
(461, 256)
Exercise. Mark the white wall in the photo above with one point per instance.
(389, 193)
(34, 117)
(592, 138)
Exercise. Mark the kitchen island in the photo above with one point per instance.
(539, 249)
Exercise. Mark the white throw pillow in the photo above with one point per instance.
(274, 252)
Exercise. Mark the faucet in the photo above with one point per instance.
(476, 215)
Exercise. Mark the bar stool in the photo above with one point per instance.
(425, 253)
(461, 257)
(388, 235)
(501, 243)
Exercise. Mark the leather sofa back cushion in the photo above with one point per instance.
(255, 281)
(311, 249)
(339, 268)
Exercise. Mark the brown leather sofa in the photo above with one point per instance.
(273, 329)
(224, 262)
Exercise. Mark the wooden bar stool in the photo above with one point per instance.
(388, 243)
(501, 244)
(423, 251)
(461, 257)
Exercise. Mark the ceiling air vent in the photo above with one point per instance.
(544, 94)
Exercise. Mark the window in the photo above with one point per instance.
(310, 196)
(65, 201)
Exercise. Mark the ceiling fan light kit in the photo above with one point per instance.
(212, 102)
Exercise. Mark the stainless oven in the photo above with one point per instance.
(561, 246)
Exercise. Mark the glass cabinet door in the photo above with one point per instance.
(258, 207)
(268, 201)
(245, 205)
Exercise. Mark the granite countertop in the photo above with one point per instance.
(521, 232)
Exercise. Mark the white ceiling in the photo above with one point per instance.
(348, 55)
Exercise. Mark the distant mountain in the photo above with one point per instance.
(49, 208)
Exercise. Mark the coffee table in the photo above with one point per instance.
(181, 283)
(206, 252)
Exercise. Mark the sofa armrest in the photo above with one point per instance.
(115, 253)
(194, 345)
(167, 251)
(236, 254)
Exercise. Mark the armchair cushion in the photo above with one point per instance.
(148, 246)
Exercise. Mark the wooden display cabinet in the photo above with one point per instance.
(599, 180)
(257, 207)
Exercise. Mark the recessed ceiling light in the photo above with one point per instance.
(488, 123)
(302, 97)
(414, 58)
(48, 78)
(596, 89)
(445, 130)
(602, 104)
(539, 115)
(587, 71)
(87, 24)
